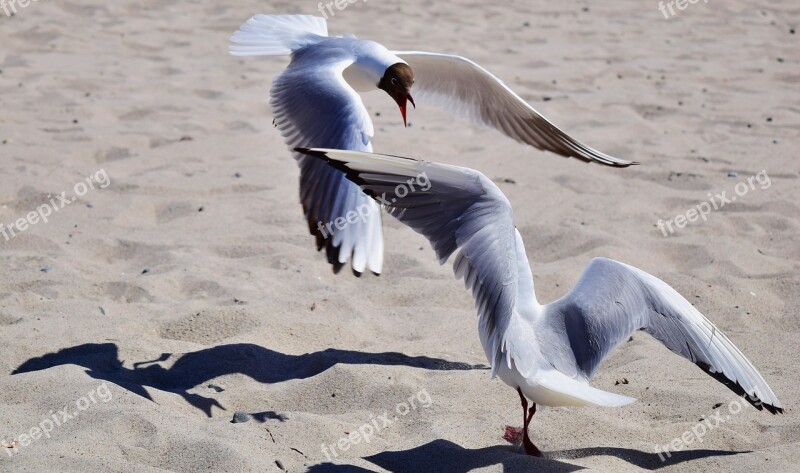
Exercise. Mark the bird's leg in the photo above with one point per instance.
(527, 415)
(530, 448)
(513, 434)
(524, 403)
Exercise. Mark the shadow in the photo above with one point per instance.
(262, 417)
(332, 468)
(192, 369)
(644, 460)
(448, 457)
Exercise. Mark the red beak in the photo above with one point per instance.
(402, 101)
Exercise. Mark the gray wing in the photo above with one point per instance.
(613, 300)
(455, 209)
(314, 106)
(464, 88)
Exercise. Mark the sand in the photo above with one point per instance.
(184, 288)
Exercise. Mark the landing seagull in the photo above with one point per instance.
(547, 353)
(315, 103)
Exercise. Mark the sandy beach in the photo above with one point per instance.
(169, 282)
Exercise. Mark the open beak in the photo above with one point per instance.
(402, 101)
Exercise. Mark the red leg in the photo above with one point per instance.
(530, 448)
(527, 415)
(524, 403)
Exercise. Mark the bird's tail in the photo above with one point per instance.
(565, 391)
(277, 35)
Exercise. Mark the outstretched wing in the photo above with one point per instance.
(464, 88)
(455, 209)
(613, 300)
(314, 106)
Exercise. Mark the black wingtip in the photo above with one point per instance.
(739, 390)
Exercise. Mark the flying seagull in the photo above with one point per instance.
(547, 353)
(315, 103)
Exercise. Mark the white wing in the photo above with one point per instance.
(455, 209)
(613, 300)
(464, 88)
(277, 35)
(314, 106)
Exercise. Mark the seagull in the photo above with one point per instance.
(547, 353)
(316, 103)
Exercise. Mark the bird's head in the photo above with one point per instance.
(397, 82)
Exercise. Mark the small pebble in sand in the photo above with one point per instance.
(240, 417)
(145, 270)
(46, 269)
(732, 173)
(279, 464)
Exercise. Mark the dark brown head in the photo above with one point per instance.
(397, 82)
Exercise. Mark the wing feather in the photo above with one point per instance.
(464, 88)
(613, 300)
(314, 106)
(460, 212)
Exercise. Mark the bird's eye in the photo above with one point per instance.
(394, 80)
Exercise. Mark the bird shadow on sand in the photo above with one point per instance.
(196, 368)
(448, 457)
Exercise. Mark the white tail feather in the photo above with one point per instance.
(277, 35)
(575, 393)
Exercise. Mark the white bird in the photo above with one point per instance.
(315, 103)
(548, 353)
